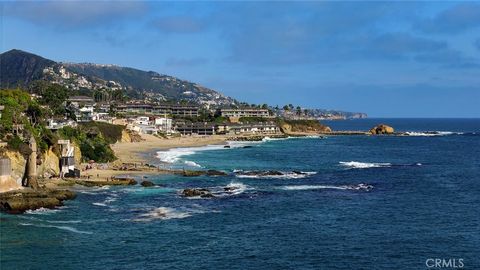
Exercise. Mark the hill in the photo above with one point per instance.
(19, 68)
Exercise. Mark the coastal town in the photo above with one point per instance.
(60, 127)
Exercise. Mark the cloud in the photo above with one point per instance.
(73, 14)
(182, 62)
(459, 18)
(477, 44)
(449, 58)
(180, 24)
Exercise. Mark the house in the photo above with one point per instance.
(84, 114)
(163, 124)
(55, 124)
(1, 109)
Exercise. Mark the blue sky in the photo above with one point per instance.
(388, 59)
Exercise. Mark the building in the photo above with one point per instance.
(55, 124)
(80, 99)
(196, 129)
(245, 112)
(163, 124)
(84, 114)
(253, 129)
(160, 110)
(1, 109)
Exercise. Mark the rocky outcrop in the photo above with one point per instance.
(20, 201)
(125, 137)
(382, 129)
(98, 183)
(303, 126)
(190, 173)
(197, 192)
(19, 163)
(50, 165)
(77, 153)
(147, 184)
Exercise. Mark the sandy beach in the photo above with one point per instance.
(131, 152)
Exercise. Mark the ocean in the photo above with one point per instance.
(341, 202)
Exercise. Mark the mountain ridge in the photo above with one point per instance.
(20, 68)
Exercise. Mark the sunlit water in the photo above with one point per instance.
(425, 203)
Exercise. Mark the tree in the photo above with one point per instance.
(299, 110)
(55, 96)
(286, 108)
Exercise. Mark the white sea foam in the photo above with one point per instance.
(42, 211)
(284, 175)
(432, 133)
(310, 187)
(363, 165)
(100, 204)
(163, 213)
(362, 186)
(192, 164)
(66, 228)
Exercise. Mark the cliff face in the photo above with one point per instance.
(18, 166)
(125, 136)
(303, 126)
(50, 165)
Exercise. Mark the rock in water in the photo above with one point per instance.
(147, 184)
(20, 201)
(382, 129)
(197, 192)
(215, 173)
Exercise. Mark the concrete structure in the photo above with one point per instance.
(32, 165)
(160, 110)
(67, 159)
(245, 112)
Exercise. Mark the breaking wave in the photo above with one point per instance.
(363, 165)
(367, 165)
(41, 211)
(432, 133)
(272, 174)
(364, 187)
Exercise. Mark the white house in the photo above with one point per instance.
(163, 124)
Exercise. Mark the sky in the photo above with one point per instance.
(387, 59)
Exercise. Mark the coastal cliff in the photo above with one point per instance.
(293, 127)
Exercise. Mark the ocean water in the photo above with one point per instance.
(424, 204)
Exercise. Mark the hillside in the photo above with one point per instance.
(19, 68)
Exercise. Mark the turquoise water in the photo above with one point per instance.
(425, 203)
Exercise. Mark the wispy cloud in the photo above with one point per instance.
(179, 24)
(183, 62)
(459, 18)
(73, 14)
